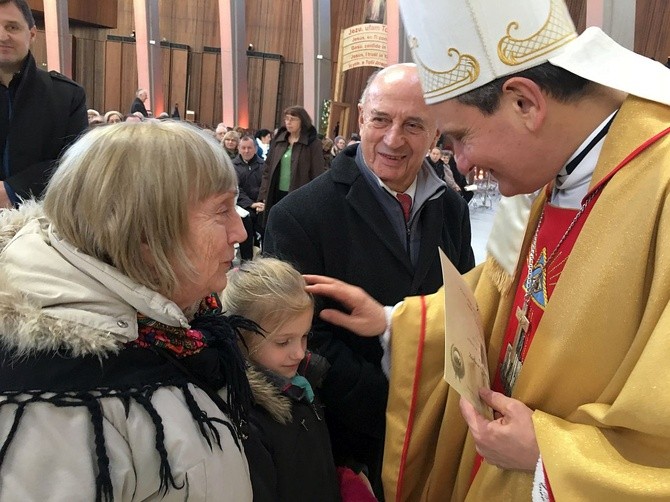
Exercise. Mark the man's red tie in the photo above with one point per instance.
(406, 203)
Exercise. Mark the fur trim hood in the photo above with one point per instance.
(53, 297)
(269, 397)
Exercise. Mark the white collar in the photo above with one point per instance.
(570, 189)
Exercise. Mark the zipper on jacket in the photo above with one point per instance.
(316, 412)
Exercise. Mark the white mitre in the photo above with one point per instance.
(460, 45)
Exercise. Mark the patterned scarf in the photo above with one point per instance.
(208, 351)
(179, 341)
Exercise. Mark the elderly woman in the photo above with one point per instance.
(230, 142)
(295, 158)
(119, 377)
(113, 117)
(92, 115)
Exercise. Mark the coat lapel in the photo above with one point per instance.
(363, 201)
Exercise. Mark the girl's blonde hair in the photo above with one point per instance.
(121, 193)
(267, 291)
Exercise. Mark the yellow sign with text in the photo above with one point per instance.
(364, 45)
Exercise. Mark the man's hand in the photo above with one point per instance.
(4, 198)
(258, 206)
(366, 316)
(509, 441)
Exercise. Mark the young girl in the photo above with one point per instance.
(288, 447)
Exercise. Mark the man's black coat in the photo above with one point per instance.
(48, 113)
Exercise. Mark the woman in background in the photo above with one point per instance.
(339, 144)
(230, 142)
(113, 117)
(327, 147)
(295, 158)
(263, 138)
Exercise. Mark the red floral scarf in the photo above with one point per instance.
(181, 342)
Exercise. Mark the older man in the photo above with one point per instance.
(249, 169)
(375, 219)
(220, 131)
(137, 105)
(577, 325)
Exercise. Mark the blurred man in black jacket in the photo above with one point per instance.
(40, 113)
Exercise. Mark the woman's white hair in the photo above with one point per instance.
(122, 194)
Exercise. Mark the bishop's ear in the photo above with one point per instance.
(526, 100)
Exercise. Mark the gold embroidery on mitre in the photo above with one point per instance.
(557, 31)
(438, 83)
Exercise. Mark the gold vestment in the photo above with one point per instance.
(597, 371)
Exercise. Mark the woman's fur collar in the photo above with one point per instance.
(25, 328)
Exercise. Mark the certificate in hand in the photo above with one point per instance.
(465, 364)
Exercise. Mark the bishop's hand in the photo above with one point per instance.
(509, 441)
(366, 316)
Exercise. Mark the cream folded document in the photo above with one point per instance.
(465, 363)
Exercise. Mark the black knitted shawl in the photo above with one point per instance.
(134, 374)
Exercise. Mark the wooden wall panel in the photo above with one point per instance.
(194, 83)
(275, 27)
(290, 95)
(128, 76)
(263, 75)
(112, 93)
(194, 22)
(178, 80)
(89, 33)
(217, 110)
(99, 12)
(210, 111)
(165, 63)
(271, 79)
(652, 37)
(210, 35)
(83, 72)
(89, 71)
(180, 22)
(99, 72)
(120, 76)
(125, 19)
(255, 69)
